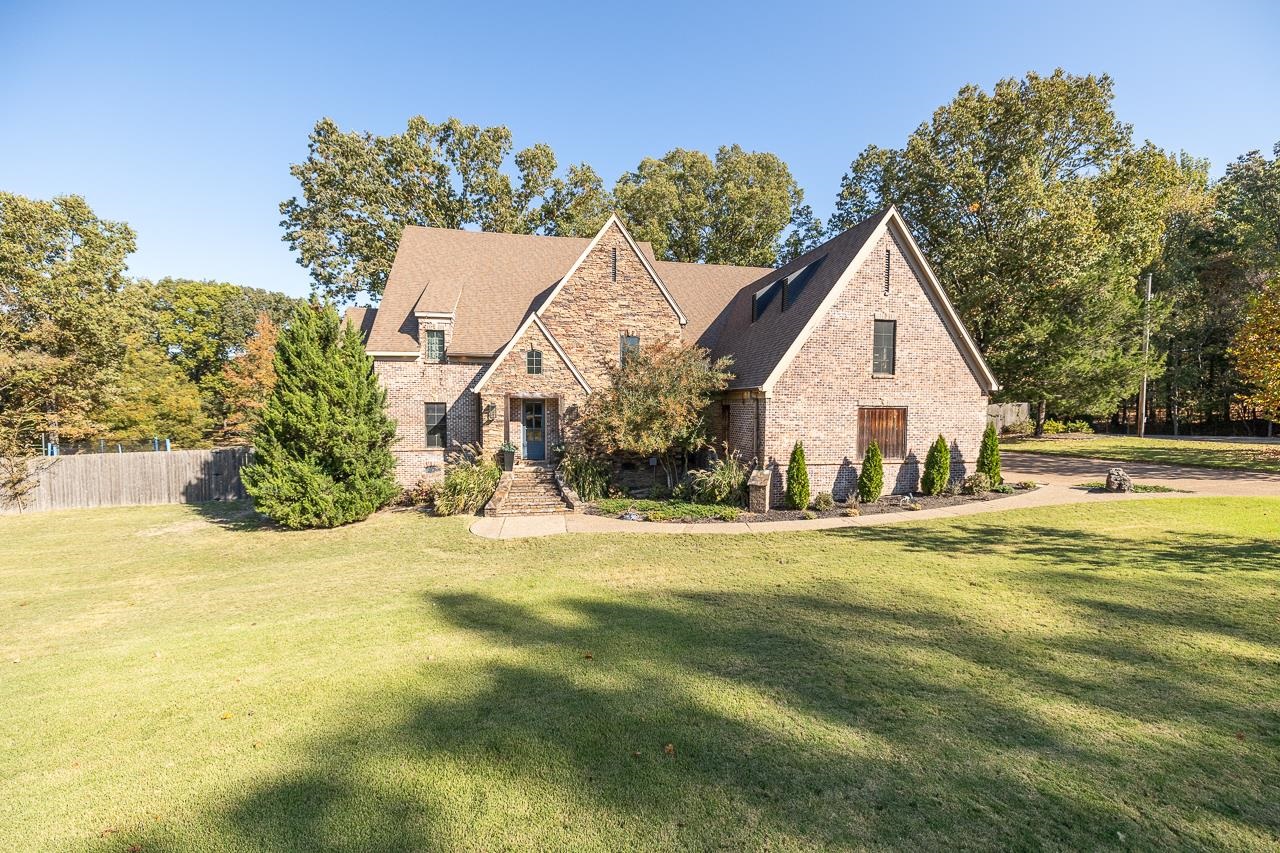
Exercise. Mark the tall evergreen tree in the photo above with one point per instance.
(989, 455)
(797, 479)
(322, 452)
(937, 468)
(871, 478)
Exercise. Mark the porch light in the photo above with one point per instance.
(490, 412)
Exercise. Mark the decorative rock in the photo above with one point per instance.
(631, 515)
(1119, 481)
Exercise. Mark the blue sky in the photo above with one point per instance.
(182, 119)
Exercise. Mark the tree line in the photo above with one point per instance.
(90, 355)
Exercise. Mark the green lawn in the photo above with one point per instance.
(1082, 677)
(1123, 448)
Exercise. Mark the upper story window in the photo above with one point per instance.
(433, 345)
(533, 361)
(883, 347)
(627, 345)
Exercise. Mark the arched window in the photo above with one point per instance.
(533, 361)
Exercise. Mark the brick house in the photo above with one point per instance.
(492, 338)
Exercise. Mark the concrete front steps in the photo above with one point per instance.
(530, 489)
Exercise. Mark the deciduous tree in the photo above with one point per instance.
(247, 381)
(62, 311)
(655, 405)
(1256, 351)
(735, 209)
(359, 191)
(1039, 212)
(153, 398)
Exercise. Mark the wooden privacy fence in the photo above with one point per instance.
(91, 480)
(1007, 414)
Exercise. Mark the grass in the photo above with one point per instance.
(1240, 456)
(668, 510)
(1137, 487)
(1080, 677)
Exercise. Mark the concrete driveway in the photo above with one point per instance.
(1068, 471)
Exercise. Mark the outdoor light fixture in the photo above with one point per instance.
(490, 411)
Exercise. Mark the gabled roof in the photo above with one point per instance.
(490, 283)
(762, 350)
(533, 320)
(758, 348)
(614, 221)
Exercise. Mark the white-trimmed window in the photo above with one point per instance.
(533, 361)
(433, 345)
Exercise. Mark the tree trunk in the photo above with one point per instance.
(1040, 416)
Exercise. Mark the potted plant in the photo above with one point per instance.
(508, 456)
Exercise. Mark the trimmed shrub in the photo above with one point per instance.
(937, 468)
(851, 512)
(470, 479)
(823, 501)
(1003, 489)
(809, 515)
(976, 484)
(871, 477)
(724, 481)
(989, 456)
(797, 479)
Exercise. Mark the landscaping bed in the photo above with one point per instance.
(671, 510)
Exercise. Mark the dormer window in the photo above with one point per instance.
(533, 361)
(433, 345)
(789, 287)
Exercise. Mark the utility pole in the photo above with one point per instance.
(1146, 352)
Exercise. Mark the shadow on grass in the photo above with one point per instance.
(834, 718)
(234, 515)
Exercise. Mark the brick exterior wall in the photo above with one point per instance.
(592, 311)
(817, 398)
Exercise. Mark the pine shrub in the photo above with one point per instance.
(871, 478)
(322, 451)
(937, 468)
(989, 455)
(797, 479)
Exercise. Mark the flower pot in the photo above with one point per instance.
(508, 460)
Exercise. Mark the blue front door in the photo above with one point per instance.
(535, 438)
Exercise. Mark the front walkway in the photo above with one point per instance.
(1056, 475)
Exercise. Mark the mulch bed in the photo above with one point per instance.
(886, 504)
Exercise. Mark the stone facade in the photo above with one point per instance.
(818, 396)
(594, 307)
(509, 383)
